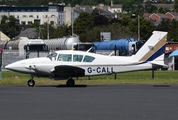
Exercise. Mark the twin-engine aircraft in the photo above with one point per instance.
(66, 64)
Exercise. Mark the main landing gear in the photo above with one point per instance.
(70, 82)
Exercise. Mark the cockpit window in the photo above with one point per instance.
(64, 57)
(88, 58)
(52, 56)
(77, 58)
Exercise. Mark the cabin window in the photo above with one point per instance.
(52, 56)
(77, 58)
(88, 59)
(64, 57)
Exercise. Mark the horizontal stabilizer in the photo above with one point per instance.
(159, 63)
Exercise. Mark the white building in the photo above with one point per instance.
(53, 14)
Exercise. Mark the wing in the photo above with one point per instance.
(68, 71)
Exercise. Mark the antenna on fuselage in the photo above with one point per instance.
(89, 49)
(111, 53)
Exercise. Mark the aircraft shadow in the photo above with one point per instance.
(62, 86)
(161, 85)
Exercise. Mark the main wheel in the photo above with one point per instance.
(70, 82)
(31, 83)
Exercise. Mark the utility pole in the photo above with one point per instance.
(138, 27)
(48, 29)
(72, 21)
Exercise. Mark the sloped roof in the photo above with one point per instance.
(29, 33)
(116, 6)
(4, 37)
(159, 15)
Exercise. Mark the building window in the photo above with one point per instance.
(37, 16)
(30, 15)
(29, 22)
(52, 15)
(37, 21)
(23, 23)
(51, 22)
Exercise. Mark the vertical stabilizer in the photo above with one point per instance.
(153, 49)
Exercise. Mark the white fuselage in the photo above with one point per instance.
(100, 65)
(65, 64)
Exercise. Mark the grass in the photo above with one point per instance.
(140, 77)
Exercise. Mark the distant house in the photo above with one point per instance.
(172, 15)
(105, 12)
(157, 18)
(102, 9)
(117, 8)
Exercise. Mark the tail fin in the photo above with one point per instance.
(153, 49)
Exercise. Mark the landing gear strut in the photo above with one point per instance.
(70, 82)
(31, 82)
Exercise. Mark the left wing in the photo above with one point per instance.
(68, 71)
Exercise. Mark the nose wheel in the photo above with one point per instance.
(31, 83)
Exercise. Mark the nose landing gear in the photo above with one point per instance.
(31, 82)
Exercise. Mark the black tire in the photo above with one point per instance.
(31, 83)
(70, 83)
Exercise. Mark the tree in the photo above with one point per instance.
(150, 8)
(176, 5)
(173, 30)
(95, 12)
(9, 26)
(89, 2)
(44, 30)
(75, 2)
(146, 27)
(115, 20)
(127, 5)
(164, 25)
(83, 23)
(125, 21)
(101, 20)
(161, 10)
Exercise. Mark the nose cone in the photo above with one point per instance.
(17, 67)
(12, 67)
(23, 66)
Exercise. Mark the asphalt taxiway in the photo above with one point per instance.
(97, 102)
